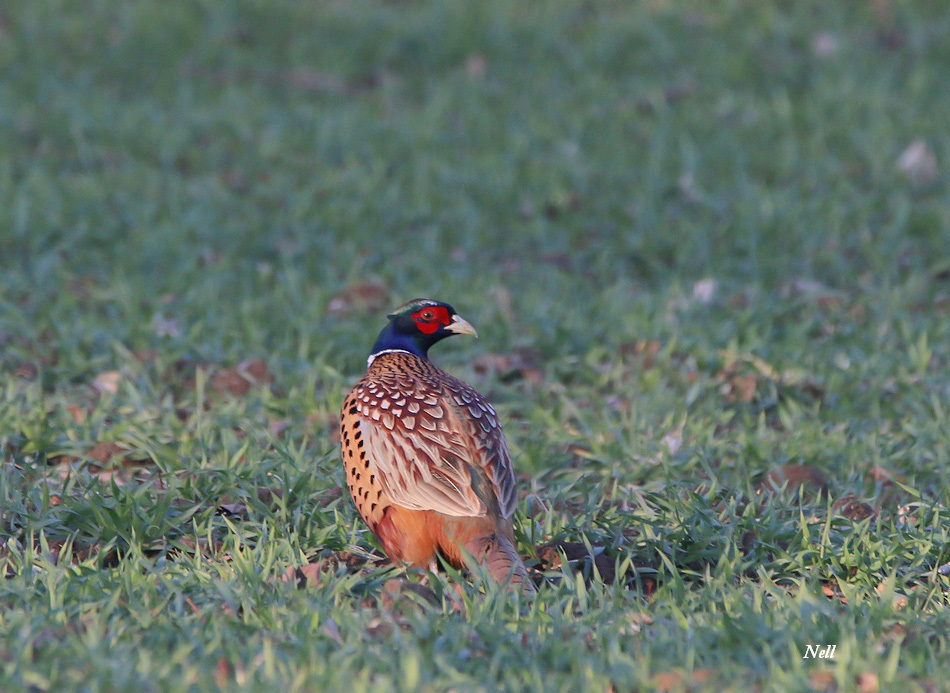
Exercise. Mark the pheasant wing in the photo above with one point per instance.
(436, 450)
(481, 421)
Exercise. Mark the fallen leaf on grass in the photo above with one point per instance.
(578, 558)
(853, 509)
(378, 628)
(26, 371)
(201, 545)
(522, 363)
(898, 600)
(832, 592)
(107, 381)
(823, 681)
(223, 673)
(310, 574)
(668, 681)
(239, 380)
(739, 388)
(277, 427)
(741, 376)
(815, 292)
(105, 451)
(475, 65)
(908, 514)
(673, 441)
(396, 590)
(367, 297)
(919, 163)
(236, 510)
(643, 350)
(867, 682)
(550, 554)
(78, 413)
(166, 327)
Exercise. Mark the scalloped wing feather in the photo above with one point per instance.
(427, 436)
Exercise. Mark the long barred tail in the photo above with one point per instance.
(499, 555)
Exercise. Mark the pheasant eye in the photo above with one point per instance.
(428, 315)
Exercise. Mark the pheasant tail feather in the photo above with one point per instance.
(498, 554)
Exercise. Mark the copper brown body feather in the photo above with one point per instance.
(428, 466)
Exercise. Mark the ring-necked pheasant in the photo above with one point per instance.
(425, 457)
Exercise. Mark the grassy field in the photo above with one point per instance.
(705, 247)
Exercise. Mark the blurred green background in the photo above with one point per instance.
(698, 240)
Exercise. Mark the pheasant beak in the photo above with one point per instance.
(461, 326)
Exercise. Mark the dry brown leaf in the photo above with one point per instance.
(673, 441)
(395, 589)
(867, 682)
(238, 510)
(239, 380)
(166, 326)
(223, 673)
(743, 387)
(475, 65)
(367, 297)
(550, 554)
(229, 381)
(853, 509)
(106, 450)
(107, 381)
(644, 350)
(522, 363)
(919, 163)
(668, 681)
(26, 371)
(823, 681)
(379, 628)
(146, 356)
(78, 413)
(898, 601)
(277, 427)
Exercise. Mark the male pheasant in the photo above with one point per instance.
(426, 460)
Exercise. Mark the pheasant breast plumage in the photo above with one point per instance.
(426, 460)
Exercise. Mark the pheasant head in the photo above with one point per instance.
(417, 325)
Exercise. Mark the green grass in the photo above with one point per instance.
(188, 185)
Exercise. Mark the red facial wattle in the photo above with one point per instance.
(429, 320)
